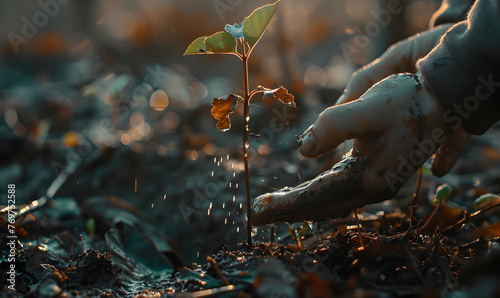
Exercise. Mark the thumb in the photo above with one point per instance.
(449, 153)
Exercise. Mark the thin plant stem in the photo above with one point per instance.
(415, 194)
(246, 141)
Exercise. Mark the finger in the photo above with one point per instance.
(335, 125)
(332, 194)
(449, 153)
(399, 58)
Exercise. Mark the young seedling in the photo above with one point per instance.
(246, 35)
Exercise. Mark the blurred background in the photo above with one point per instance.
(102, 88)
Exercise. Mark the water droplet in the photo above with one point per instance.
(223, 205)
(152, 205)
(210, 206)
(241, 205)
(212, 173)
(227, 157)
(218, 163)
(164, 196)
(229, 184)
(236, 185)
(229, 213)
(198, 254)
(234, 174)
(234, 198)
(237, 229)
(225, 221)
(221, 159)
(215, 159)
(208, 212)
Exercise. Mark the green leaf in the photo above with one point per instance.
(256, 23)
(280, 94)
(442, 193)
(221, 109)
(220, 43)
(196, 47)
(235, 30)
(486, 200)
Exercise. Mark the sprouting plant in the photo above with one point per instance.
(246, 35)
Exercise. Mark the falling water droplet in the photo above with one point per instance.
(164, 196)
(236, 185)
(208, 212)
(225, 221)
(229, 184)
(212, 173)
(237, 229)
(241, 205)
(234, 198)
(229, 213)
(234, 174)
(215, 159)
(221, 159)
(152, 205)
(223, 205)
(218, 163)
(232, 165)
(227, 157)
(210, 206)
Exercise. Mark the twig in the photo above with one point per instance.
(469, 216)
(359, 229)
(51, 191)
(294, 237)
(430, 217)
(217, 270)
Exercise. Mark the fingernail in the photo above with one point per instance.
(308, 142)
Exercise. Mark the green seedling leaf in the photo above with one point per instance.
(486, 200)
(235, 30)
(196, 47)
(442, 193)
(256, 23)
(220, 43)
(280, 94)
(222, 108)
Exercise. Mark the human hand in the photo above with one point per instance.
(401, 58)
(396, 125)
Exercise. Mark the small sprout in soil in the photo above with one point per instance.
(486, 200)
(245, 35)
(442, 193)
